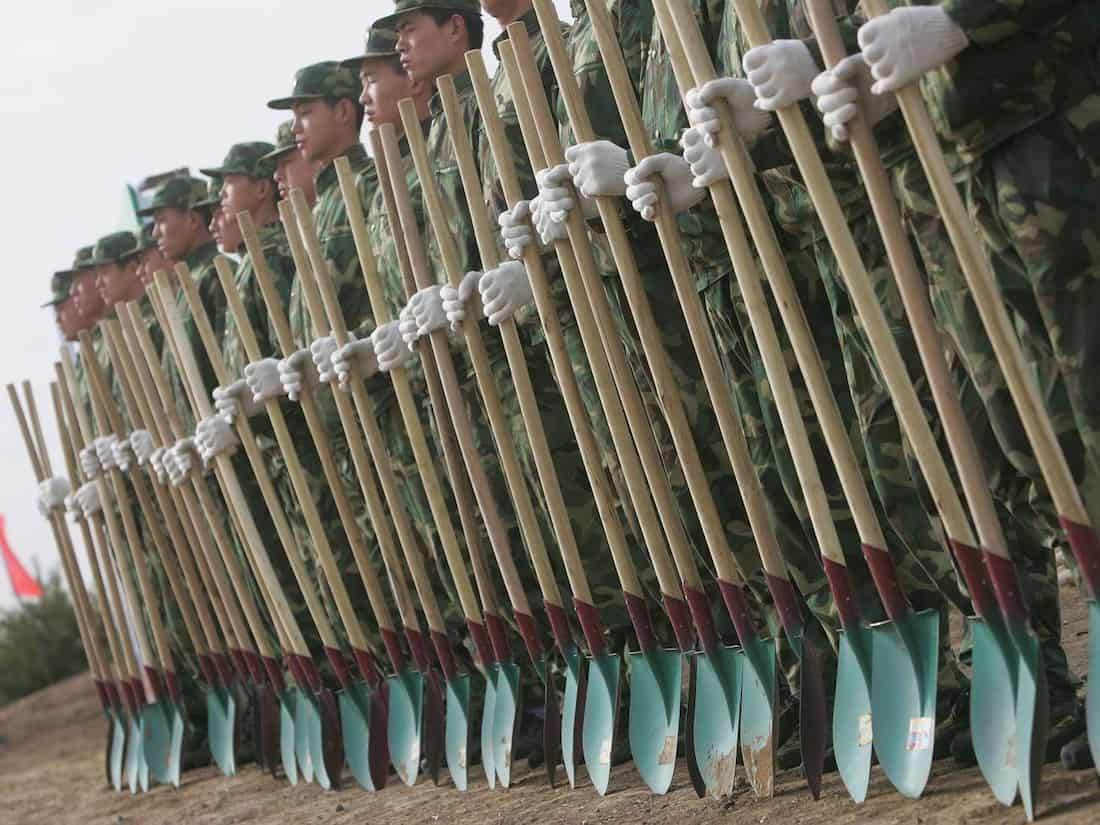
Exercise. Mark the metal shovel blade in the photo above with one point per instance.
(406, 707)
(505, 720)
(695, 776)
(304, 711)
(1032, 717)
(433, 725)
(654, 725)
(852, 729)
(758, 716)
(327, 742)
(813, 715)
(551, 725)
(903, 698)
(221, 717)
(993, 692)
(457, 735)
(718, 712)
(117, 753)
(133, 754)
(355, 727)
(288, 699)
(267, 722)
(574, 679)
(601, 702)
(1092, 698)
(488, 712)
(162, 730)
(143, 770)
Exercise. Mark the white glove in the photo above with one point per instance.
(72, 507)
(556, 199)
(780, 72)
(597, 168)
(516, 228)
(321, 351)
(263, 380)
(296, 373)
(355, 354)
(907, 43)
(707, 164)
(454, 300)
(123, 454)
(389, 347)
(235, 399)
(739, 94)
(156, 461)
(105, 451)
(87, 498)
(550, 224)
(504, 290)
(845, 90)
(214, 437)
(641, 190)
(89, 462)
(178, 461)
(141, 442)
(51, 495)
(426, 308)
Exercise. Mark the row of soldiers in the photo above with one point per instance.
(1013, 90)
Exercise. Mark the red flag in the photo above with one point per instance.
(22, 582)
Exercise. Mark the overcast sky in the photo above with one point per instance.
(95, 95)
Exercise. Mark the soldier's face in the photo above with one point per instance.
(113, 282)
(317, 128)
(241, 193)
(151, 262)
(427, 49)
(226, 232)
(384, 85)
(173, 230)
(69, 319)
(84, 292)
(293, 171)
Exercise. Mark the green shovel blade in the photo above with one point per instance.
(1092, 697)
(133, 754)
(160, 722)
(406, 705)
(601, 701)
(288, 699)
(993, 692)
(355, 726)
(488, 712)
(505, 717)
(903, 698)
(304, 709)
(1032, 717)
(457, 735)
(573, 681)
(654, 725)
(143, 771)
(718, 713)
(221, 717)
(117, 754)
(852, 731)
(314, 740)
(758, 714)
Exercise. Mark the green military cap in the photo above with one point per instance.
(83, 258)
(405, 6)
(381, 42)
(177, 193)
(110, 248)
(60, 287)
(245, 159)
(145, 241)
(318, 81)
(284, 141)
(213, 193)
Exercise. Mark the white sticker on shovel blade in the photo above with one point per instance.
(920, 733)
(605, 752)
(866, 733)
(462, 757)
(668, 752)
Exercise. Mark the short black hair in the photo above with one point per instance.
(360, 113)
(475, 24)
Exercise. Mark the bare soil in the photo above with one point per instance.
(51, 771)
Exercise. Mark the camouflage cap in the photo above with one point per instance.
(110, 248)
(285, 141)
(321, 80)
(60, 287)
(145, 241)
(82, 259)
(381, 41)
(213, 193)
(405, 6)
(177, 193)
(245, 159)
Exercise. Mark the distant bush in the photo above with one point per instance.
(39, 643)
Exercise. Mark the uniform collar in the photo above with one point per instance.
(201, 256)
(463, 86)
(530, 22)
(357, 157)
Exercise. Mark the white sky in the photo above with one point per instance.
(95, 95)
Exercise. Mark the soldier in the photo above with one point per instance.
(70, 321)
(292, 170)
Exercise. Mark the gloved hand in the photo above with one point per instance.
(105, 451)
(845, 90)
(297, 374)
(122, 454)
(355, 354)
(516, 225)
(556, 199)
(504, 290)
(263, 380)
(214, 437)
(321, 351)
(426, 309)
(72, 507)
(739, 94)
(389, 347)
(641, 189)
(156, 461)
(141, 442)
(780, 72)
(235, 399)
(705, 160)
(89, 462)
(454, 300)
(907, 43)
(179, 462)
(51, 495)
(597, 168)
(88, 500)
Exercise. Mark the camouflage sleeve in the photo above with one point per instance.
(990, 21)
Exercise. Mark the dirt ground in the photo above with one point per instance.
(51, 771)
